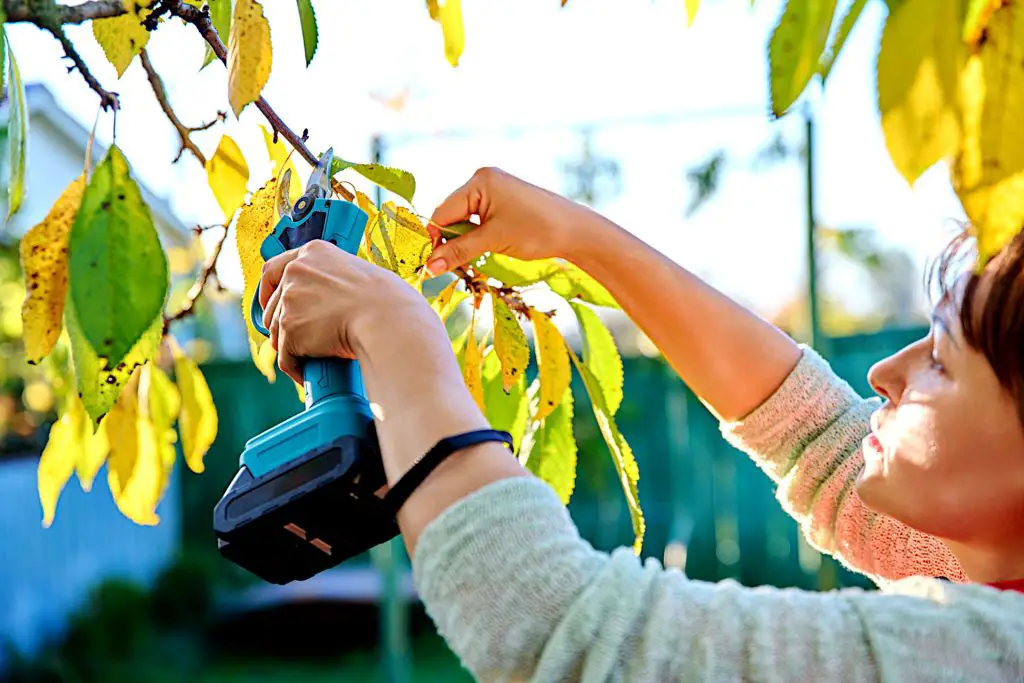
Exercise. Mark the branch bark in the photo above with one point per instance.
(26, 10)
(108, 100)
(209, 270)
(184, 132)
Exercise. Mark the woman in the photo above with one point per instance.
(927, 483)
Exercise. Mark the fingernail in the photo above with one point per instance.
(437, 267)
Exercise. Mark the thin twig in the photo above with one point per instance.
(209, 270)
(26, 10)
(201, 20)
(184, 131)
(108, 100)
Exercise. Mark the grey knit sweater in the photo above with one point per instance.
(519, 596)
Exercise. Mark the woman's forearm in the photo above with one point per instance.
(732, 359)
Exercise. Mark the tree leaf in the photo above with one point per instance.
(17, 132)
(43, 254)
(160, 404)
(391, 179)
(309, 31)
(136, 468)
(622, 455)
(504, 411)
(249, 54)
(691, 11)
(400, 247)
(71, 446)
(118, 272)
(845, 27)
(796, 46)
(989, 169)
(472, 365)
(919, 64)
(550, 449)
(562, 277)
(509, 343)
(552, 363)
(220, 16)
(449, 15)
(122, 37)
(255, 222)
(601, 356)
(227, 174)
(198, 421)
(447, 300)
(98, 386)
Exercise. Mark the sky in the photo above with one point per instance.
(659, 97)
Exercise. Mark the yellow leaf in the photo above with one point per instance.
(121, 37)
(161, 404)
(472, 366)
(989, 173)
(509, 343)
(691, 11)
(255, 222)
(198, 421)
(44, 259)
(552, 363)
(135, 473)
(919, 65)
(264, 357)
(447, 300)
(449, 15)
(71, 445)
(249, 54)
(227, 175)
(395, 242)
(280, 161)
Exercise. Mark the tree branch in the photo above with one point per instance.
(201, 20)
(108, 100)
(34, 12)
(209, 270)
(183, 131)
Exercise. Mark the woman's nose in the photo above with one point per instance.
(887, 377)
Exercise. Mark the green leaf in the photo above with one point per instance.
(601, 355)
(394, 180)
(920, 61)
(847, 24)
(796, 47)
(309, 30)
(549, 450)
(622, 454)
(504, 411)
(220, 16)
(562, 277)
(509, 343)
(98, 386)
(118, 272)
(17, 132)
(3, 49)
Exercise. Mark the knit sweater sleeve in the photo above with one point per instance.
(519, 596)
(807, 438)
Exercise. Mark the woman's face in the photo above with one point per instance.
(946, 452)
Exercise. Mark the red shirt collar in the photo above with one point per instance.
(1015, 585)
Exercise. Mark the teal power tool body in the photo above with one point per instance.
(306, 496)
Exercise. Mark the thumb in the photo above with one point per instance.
(460, 251)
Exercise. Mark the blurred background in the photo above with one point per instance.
(665, 129)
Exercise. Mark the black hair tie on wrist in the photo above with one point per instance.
(396, 496)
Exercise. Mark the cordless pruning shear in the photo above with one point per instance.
(307, 493)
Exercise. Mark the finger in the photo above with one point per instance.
(271, 308)
(286, 361)
(273, 272)
(461, 204)
(460, 251)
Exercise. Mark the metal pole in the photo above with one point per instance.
(388, 558)
(812, 249)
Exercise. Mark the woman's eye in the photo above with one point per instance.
(936, 363)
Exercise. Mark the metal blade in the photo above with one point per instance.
(284, 202)
(319, 184)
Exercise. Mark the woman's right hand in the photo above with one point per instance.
(516, 219)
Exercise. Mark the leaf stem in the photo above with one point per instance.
(184, 131)
(108, 100)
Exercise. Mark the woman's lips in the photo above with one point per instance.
(872, 447)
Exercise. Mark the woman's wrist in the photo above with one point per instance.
(593, 241)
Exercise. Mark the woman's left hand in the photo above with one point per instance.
(320, 301)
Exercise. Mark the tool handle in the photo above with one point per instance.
(323, 377)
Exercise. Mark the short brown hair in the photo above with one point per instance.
(996, 329)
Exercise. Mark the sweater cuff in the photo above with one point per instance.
(810, 398)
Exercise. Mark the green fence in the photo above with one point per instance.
(700, 496)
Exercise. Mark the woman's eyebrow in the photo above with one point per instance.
(939, 320)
